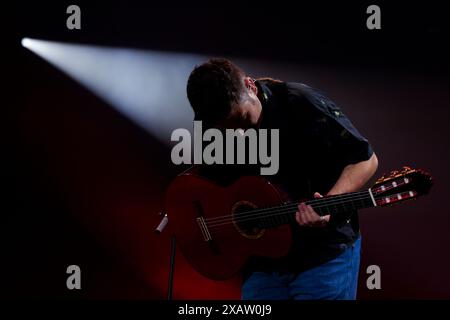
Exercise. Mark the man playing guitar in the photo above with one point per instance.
(321, 153)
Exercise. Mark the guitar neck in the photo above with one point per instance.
(331, 205)
(342, 203)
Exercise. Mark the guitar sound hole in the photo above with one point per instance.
(244, 223)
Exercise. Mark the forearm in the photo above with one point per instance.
(355, 176)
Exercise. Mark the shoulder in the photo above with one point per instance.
(317, 100)
(304, 91)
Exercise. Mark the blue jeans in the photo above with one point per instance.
(336, 279)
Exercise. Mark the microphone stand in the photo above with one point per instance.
(158, 230)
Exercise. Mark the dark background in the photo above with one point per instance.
(84, 184)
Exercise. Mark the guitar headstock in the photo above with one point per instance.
(401, 185)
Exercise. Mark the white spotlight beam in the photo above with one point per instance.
(149, 87)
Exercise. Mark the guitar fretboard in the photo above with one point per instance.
(333, 205)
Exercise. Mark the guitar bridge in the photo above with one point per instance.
(204, 228)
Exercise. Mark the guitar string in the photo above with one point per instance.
(274, 213)
(335, 198)
(243, 216)
(219, 226)
(270, 213)
(322, 201)
(232, 221)
(325, 200)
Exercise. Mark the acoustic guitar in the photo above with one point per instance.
(218, 228)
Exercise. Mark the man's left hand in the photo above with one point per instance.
(306, 216)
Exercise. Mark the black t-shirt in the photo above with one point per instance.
(316, 142)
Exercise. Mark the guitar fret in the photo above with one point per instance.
(353, 205)
(279, 219)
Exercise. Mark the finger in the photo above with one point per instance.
(317, 195)
(314, 219)
(323, 221)
(300, 215)
(304, 214)
(303, 221)
(298, 218)
(310, 215)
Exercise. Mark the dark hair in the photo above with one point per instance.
(213, 88)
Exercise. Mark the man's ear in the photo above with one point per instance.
(250, 84)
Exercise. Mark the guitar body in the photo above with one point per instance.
(192, 199)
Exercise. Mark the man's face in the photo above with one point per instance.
(247, 113)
